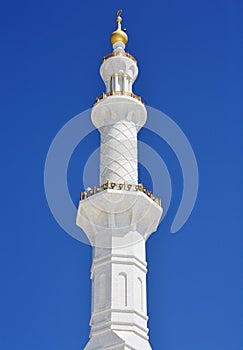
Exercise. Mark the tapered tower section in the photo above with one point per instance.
(119, 214)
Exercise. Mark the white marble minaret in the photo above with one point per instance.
(119, 214)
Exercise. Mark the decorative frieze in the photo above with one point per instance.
(118, 186)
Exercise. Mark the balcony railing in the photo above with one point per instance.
(114, 53)
(119, 93)
(109, 185)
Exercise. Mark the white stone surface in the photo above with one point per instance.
(118, 153)
(118, 119)
(116, 108)
(118, 222)
(118, 218)
(119, 46)
(118, 66)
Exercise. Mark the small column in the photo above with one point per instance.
(125, 83)
(112, 83)
(130, 85)
(108, 87)
(116, 85)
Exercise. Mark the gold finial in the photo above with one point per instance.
(118, 14)
(119, 34)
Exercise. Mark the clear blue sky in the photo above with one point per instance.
(190, 59)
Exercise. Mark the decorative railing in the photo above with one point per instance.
(115, 53)
(119, 93)
(109, 185)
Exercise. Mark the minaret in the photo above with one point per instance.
(119, 214)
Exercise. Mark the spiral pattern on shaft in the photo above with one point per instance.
(118, 153)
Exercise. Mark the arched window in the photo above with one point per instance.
(101, 288)
(122, 285)
(140, 294)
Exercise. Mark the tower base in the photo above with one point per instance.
(117, 340)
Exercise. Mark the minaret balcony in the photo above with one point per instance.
(118, 216)
(118, 93)
(115, 53)
(109, 185)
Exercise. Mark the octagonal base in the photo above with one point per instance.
(118, 218)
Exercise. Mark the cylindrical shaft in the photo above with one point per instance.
(118, 153)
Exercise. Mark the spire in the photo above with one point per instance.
(119, 35)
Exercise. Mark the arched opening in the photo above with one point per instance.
(101, 291)
(122, 288)
(140, 294)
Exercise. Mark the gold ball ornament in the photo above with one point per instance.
(119, 34)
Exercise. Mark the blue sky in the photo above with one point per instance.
(190, 60)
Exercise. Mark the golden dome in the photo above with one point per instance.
(119, 34)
